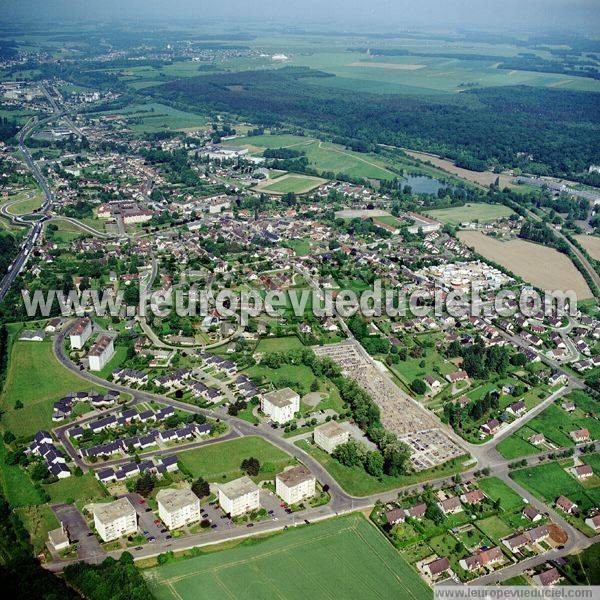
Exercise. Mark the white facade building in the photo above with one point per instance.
(239, 496)
(81, 333)
(330, 435)
(280, 405)
(115, 519)
(295, 485)
(101, 352)
(177, 508)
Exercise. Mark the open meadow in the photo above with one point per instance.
(35, 379)
(340, 558)
(591, 243)
(470, 212)
(539, 265)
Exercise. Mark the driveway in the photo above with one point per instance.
(146, 518)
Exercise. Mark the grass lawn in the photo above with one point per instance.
(38, 520)
(83, 490)
(221, 462)
(37, 379)
(470, 212)
(282, 344)
(550, 480)
(340, 558)
(495, 488)
(16, 484)
(495, 528)
(356, 481)
(114, 363)
(298, 377)
(514, 447)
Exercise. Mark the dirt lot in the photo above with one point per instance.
(544, 267)
(591, 243)
(485, 178)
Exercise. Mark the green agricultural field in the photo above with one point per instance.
(37, 380)
(290, 183)
(221, 462)
(340, 558)
(470, 212)
(154, 117)
(515, 447)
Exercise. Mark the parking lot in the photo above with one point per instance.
(147, 524)
(88, 546)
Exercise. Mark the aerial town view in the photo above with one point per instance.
(299, 300)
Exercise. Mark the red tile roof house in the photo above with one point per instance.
(593, 522)
(437, 567)
(474, 497)
(482, 558)
(490, 427)
(565, 504)
(450, 505)
(417, 511)
(457, 376)
(395, 516)
(582, 471)
(549, 577)
(580, 435)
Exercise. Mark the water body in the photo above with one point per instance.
(421, 184)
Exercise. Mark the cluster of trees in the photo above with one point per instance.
(110, 580)
(479, 361)
(251, 466)
(8, 129)
(492, 125)
(283, 153)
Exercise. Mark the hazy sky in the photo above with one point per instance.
(380, 14)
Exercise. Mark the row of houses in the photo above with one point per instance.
(122, 419)
(43, 446)
(168, 464)
(63, 408)
(152, 438)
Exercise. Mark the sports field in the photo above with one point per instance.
(470, 212)
(341, 558)
(296, 184)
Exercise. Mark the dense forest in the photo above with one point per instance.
(503, 126)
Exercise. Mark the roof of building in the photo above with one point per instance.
(238, 487)
(331, 429)
(295, 476)
(175, 499)
(58, 537)
(283, 397)
(108, 512)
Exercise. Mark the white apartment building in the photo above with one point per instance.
(177, 508)
(115, 519)
(330, 435)
(295, 485)
(81, 333)
(280, 405)
(101, 352)
(239, 496)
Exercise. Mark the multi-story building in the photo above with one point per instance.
(330, 435)
(101, 352)
(80, 333)
(295, 485)
(177, 508)
(239, 496)
(280, 405)
(115, 519)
